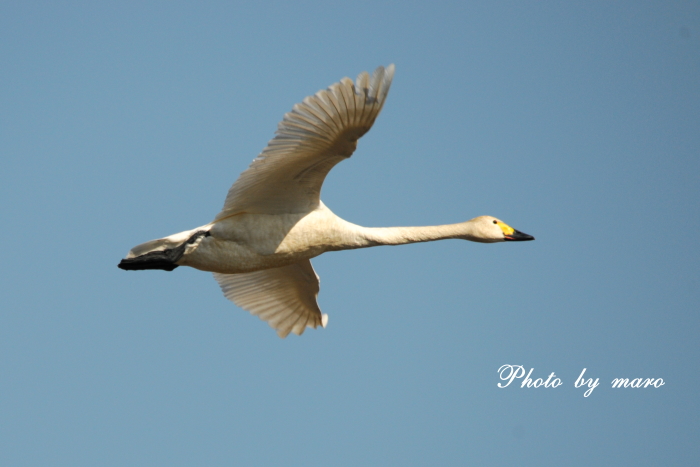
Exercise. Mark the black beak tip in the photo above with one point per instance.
(518, 236)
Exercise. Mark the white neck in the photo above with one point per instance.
(363, 237)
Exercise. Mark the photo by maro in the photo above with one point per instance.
(273, 221)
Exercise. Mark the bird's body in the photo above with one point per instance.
(273, 221)
(251, 242)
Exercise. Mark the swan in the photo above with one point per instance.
(273, 222)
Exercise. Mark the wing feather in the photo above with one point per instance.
(284, 297)
(361, 85)
(347, 91)
(311, 139)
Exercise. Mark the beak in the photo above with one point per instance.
(518, 236)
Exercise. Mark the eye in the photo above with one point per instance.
(495, 222)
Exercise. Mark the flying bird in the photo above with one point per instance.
(273, 222)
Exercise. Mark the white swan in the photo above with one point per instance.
(273, 222)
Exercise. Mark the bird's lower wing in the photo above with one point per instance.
(284, 297)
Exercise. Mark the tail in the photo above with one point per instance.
(163, 253)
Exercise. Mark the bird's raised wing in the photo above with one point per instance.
(317, 134)
(284, 297)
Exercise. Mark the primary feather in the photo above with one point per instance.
(311, 139)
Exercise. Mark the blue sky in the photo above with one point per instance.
(579, 124)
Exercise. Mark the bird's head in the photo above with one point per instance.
(488, 229)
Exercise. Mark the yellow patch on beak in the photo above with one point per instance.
(507, 230)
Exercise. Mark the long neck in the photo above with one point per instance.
(367, 236)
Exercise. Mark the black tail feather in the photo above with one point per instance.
(164, 259)
(153, 260)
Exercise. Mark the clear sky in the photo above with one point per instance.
(121, 122)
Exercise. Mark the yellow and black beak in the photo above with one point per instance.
(518, 236)
(512, 235)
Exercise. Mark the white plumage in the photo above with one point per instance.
(312, 138)
(284, 297)
(273, 221)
